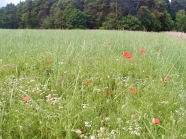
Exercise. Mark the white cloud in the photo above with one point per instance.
(5, 2)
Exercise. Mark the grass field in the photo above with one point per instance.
(67, 84)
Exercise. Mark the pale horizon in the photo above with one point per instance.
(3, 3)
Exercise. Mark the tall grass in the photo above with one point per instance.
(78, 84)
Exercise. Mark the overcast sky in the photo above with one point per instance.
(5, 2)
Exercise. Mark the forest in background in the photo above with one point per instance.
(146, 15)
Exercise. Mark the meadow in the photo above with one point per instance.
(91, 84)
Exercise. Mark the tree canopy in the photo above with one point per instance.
(149, 15)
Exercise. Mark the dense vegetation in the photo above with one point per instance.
(91, 84)
(149, 15)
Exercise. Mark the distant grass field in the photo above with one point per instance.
(91, 84)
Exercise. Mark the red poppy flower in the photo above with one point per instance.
(156, 121)
(47, 63)
(26, 99)
(109, 43)
(107, 92)
(87, 82)
(133, 90)
(142, 51)
(166, 79)
(127, 55)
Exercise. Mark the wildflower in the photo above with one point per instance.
(142, 51)
(47, 63)
(107, 92)
(49, 96)
(109, 43)
(156, 121)
(32, 80)
(78, 131)
(97, 89)
(107, 119)
(84, 106)
(92, 137)
(136, 133)
(113, 132)
(133, 90)
(60, 63)
(102, 130)
(26, 99)
(166, 79)
(132, 116)
(87, 124)
(127, 55)
(87, 82)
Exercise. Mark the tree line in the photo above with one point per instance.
(148, 15)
